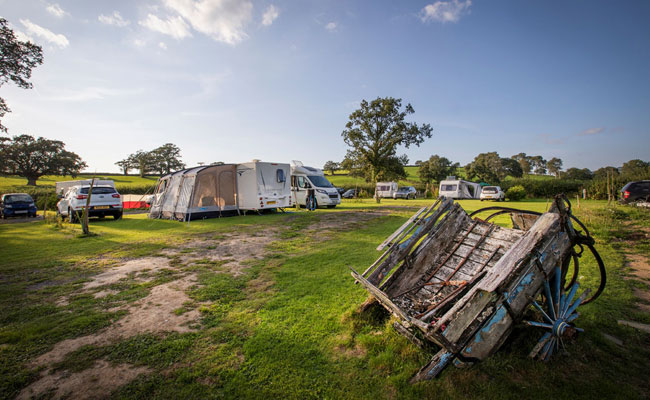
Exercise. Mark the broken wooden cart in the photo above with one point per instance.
(462, 283)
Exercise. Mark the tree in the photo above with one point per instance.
(125, 165)
(583, 174)
(636, 169)
(538, 163)
(601, 173)
(17, 59)
(554, 166)
(435, 169)
(166, 158)
(32, 158)
(511, 168)
(524, 162)
(331, 166)
(486, 167)
(143, 161)
(374, 132)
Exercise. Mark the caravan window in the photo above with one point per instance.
(279, 175)
(448, 188)
(383, 188)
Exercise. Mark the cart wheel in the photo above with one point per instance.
(558, 317)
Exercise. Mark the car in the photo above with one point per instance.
(104, 200)
(341, 190)
(351, 193)
(405, 192)
(635, 191)
(17, 205)
(492, 193)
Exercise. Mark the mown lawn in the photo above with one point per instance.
(121, 181)
(298, 335)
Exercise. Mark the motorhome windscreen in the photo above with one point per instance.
(449, 188)
(319, 181)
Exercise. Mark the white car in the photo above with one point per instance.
(492, 193)
(104, 200)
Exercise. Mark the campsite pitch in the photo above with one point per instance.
(264, 306)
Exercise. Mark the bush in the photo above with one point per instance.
(538, 188)
(516, 193)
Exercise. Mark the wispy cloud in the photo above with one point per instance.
(114, 19)
(270, 15)
(173, 26)
(591, 131)
(331, 26)
(45, 34)
(222, 20)
(445, 11)
(92, 93)
(139, 43)
(162, 45)
(56, 10)
(549, 139)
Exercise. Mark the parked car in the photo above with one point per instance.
(104, 200)
(405, 192)
(351, 193)
(635, 191)
(17, 205)
(492, 193)
(341, 190)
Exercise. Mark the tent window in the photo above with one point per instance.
(205, 191)
(279, 174)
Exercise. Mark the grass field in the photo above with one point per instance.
(282, 324)
(50, 180)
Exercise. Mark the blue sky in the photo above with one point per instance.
(276, 80)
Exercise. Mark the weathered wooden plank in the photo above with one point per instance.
(523, 221)
(477, 305)
(382, 298)
(398, 232)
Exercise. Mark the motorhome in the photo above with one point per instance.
(304, 179)
(263, 185)
(459, 189)
(385, 189)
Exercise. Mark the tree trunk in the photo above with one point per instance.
(31, 181)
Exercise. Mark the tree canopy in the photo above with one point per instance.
(554, 166)
(490, 168)
(17, 59)
(331, 166)
(374, 132)
(583, 174)
(32, 158)
(162, 160)
(436, 169)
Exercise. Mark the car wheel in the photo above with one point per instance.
(118, 215)
(331, 206)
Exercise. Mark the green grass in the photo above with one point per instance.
(287, 327)
(121, 181)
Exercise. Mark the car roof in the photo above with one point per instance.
(10, 194)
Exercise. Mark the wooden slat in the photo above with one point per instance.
(401, 229)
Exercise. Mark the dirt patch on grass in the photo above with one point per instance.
(93, 383)
(154, 313)
(139, 265)
(345, 220)
(639, 267)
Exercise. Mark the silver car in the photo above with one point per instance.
(405, 192)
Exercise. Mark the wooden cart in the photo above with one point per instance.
(462, 283)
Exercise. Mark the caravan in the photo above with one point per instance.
(459, 189)
(304, 179)
(263, 185)
(386, 189)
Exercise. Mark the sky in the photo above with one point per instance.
(235, 80)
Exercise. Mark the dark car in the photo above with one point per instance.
(340, 190)
(17, 205)
(635, 191)
(350, 193)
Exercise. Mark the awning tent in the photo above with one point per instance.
(195, 193)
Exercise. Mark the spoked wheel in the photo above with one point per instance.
(558, 315)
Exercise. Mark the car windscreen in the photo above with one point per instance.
(98, 190)
(18, 198)
(320, 181)
(448, 188)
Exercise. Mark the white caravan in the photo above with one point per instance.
(459, 189)
(305, 178)
(385, 189)
(263, 185)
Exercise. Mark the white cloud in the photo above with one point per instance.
(22, 36)
(222, 20)
(270, 15)
(46, 34)
(162, 45)
(331, 26)
(445, 11)
(592, 131)
(139, 43)
(113, 19)
(56, 10)
(173, 26)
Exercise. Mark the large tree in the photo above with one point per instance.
(583, 174)
(32, 158)
(375, 131)
(636, 169)
(538, 163)
(435, 169)
(17, 59)
(524, 162)
(143, 161)
(554, 166)
(331, 166)
(126, 165)
(166, 158)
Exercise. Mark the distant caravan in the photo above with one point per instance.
(459, 189)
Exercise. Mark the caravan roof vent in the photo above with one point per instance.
(450, 178)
